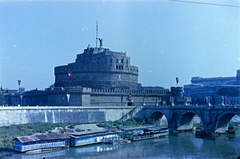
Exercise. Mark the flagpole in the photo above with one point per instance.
(19, 83)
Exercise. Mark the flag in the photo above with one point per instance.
(21, 99)
(177, 80)
(19, 82)
(69, 75)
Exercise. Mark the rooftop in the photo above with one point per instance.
(33, 138)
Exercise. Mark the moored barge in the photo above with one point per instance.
(92, 137)
(146, 133)
(41, 142)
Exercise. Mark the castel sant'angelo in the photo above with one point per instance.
(99, 77)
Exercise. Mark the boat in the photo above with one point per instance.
(200, 132)
(148, 133)
(92, 137)
(38, 143)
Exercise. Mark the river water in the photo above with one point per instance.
(182, 146)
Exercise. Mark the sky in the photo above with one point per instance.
(165, 39)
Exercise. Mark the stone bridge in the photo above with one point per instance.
(214, 118)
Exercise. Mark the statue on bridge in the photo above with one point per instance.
(172, 101)
(208, 101)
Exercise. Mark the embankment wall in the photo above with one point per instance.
(22, 115)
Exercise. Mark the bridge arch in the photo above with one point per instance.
(156, 116)
(223, 121)
(185, 120)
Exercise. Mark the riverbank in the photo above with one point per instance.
(8, 133)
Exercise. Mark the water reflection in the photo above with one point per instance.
(184, 145)
(58, 153)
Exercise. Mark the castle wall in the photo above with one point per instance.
(22, 115)
(80, 96)
(101, 97)
(74, 96)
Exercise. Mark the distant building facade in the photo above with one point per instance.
(208, 87)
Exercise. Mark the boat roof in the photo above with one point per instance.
(88, 132)
(92, 133)
(143, 127)
(25, 139)
(157, 128)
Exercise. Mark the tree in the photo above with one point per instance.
(228, 92)
(1, 98)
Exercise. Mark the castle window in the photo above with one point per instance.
(122, 61)
(117, 60)
(119, 67)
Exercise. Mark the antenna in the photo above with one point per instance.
(96, 34)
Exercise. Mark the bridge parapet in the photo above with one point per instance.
(215, 107)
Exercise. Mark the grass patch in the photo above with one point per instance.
(8, 133)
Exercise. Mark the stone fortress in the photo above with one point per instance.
(98, 77)
(98, 68)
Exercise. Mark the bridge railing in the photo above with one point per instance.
(193, 106)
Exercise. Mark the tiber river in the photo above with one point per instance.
(185, 145)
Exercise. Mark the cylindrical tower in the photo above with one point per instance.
(98, 68)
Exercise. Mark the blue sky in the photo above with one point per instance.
(165, 39)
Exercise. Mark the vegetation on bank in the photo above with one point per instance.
(8, 133)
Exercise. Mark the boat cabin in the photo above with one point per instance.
(36, 142)
(92, 137)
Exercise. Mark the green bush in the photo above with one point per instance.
(129, 122)
(71, 127)
(101, 125)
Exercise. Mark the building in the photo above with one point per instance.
(98, 77)
(98, 68)
(41, 142)
(6, 95)
(200, 88)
